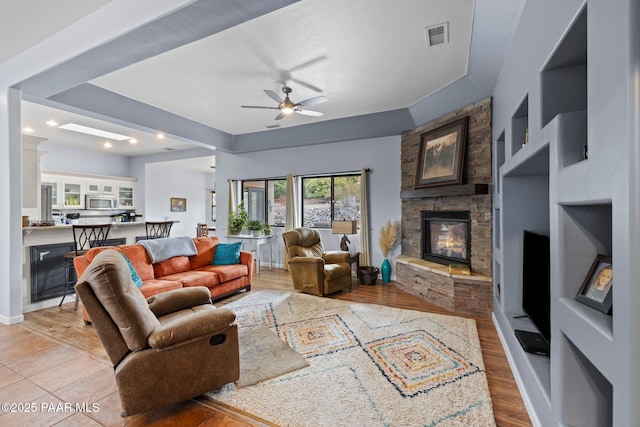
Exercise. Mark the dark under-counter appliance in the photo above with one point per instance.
(47, 268)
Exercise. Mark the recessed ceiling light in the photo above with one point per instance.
(107, 144)
(133, 141)
(160, 135)
(52, 123)
(93, 131)
(27, 130)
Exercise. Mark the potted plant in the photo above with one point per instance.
(266, 229)
(255, 226)
(237, 220)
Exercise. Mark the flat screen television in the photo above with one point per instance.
(536, 286)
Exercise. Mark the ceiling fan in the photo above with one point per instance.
(286, 106)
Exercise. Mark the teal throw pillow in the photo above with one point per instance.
(227, 253)
(134, 274)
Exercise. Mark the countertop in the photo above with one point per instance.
(68, 226)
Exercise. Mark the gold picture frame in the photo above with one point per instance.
(441, 155)
(178, 204)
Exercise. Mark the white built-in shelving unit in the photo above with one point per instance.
(566, 182)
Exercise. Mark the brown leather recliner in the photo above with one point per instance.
(165, 349)
(312, 269)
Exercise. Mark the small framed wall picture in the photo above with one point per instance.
(596, 288)
(178, 204)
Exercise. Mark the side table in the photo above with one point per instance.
(355, 257)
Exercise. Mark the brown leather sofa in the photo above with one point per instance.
(181, 271)
(313, 270)
(165, 349)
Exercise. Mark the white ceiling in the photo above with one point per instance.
(23, 23)
(36, 116)
(365, 56)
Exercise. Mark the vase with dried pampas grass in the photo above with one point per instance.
(387, 240)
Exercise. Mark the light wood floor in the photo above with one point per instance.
(53, 357)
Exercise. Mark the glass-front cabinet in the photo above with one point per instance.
(55, 201)
(102, 189)
(69, 190)
(73, 195)
(126, 197)
(108, 189)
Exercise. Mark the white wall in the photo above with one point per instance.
(63, 158)
(164, 182)
(381, 155)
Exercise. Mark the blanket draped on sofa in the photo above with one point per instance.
(168, 247)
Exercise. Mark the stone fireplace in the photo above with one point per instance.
(428, 276)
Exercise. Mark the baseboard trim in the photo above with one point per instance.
(516, 375)
(11, 320)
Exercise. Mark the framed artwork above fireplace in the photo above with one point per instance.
(446, 237)
(441, 155)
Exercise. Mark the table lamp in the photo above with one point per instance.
(344, 227)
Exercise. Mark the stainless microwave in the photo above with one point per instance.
(99, 202)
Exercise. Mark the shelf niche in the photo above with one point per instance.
(592, 401)
(588, 231)
(500, 156)
(520, 126)
(564, 88)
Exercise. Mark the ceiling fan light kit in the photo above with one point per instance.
(287, 107)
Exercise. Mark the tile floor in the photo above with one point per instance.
(45, 383)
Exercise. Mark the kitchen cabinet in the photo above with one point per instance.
(126, 197)
(102, 189)
(69, 190)
(73, 195)
(55, 185)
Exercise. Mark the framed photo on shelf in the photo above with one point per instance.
(178, 205)
(441, 155)
(596, 288)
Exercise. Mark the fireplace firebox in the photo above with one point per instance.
(446, 237)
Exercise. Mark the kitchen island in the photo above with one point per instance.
(43, 265)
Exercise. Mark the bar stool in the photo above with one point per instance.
(85, 237)
(202, 230)
(158, 229)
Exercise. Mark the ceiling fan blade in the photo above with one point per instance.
(281, 116)
(308, 63)
(271, 94)
(313, 101)
(309, 113)
(257, 106)
(305, 84)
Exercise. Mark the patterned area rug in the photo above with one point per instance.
(369, 365)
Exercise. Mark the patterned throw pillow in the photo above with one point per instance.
(227, 253)
(134, 274)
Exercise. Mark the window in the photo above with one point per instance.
(265, 200)
(213, 205)
(329, 198)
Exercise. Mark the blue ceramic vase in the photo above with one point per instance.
(385, 269)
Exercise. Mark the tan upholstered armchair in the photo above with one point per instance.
(165, 349)
(312, 269)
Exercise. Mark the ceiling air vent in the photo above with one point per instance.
(271, 126)
(437, 34)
